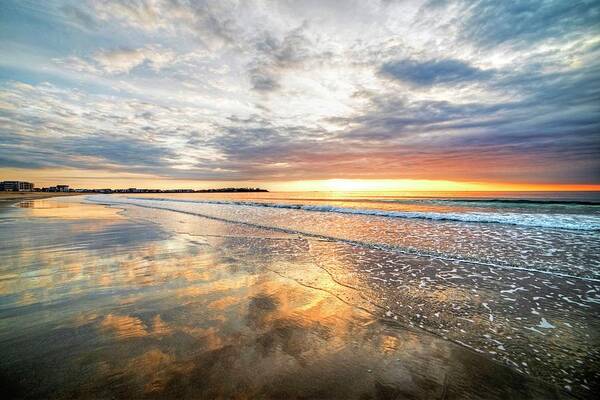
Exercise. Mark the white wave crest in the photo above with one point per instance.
(552, 221)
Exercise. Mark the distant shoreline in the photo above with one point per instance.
(14, 197)
(135, 190)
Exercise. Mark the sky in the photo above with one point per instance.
(301, 95)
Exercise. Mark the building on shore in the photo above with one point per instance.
(16, 186)
(57, 188)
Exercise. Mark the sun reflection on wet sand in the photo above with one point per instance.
(118, 307)
(67, 208)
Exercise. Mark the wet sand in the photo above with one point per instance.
(100, 303)
(13, 197)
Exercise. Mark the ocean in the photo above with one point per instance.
(313, 295)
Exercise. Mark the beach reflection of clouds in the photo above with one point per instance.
(191, 308)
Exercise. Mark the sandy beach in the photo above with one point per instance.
(13, 197)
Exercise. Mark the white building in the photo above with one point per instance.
(16, 186)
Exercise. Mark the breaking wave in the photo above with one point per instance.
(540, 220)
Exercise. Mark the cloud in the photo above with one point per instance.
(523, 23)
(210, 22)
(263, 80)
(79, 17)
(124, 60)
(432, 72)
(48, 126)
(275, 56)
(121, 61)
(299, 90)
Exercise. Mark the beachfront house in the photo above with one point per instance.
(16, 186)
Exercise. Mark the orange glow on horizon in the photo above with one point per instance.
(407, 185)
(97, 179)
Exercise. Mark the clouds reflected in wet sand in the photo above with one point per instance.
(113, 305)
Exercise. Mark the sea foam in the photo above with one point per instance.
(553, 221)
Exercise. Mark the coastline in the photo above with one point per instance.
(7, 198)
(248, 294)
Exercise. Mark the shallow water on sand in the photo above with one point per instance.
(133, 301)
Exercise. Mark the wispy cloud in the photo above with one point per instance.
(433, 72)
(120, 61)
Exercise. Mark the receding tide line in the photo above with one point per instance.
(374, 246)
(562, 221)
